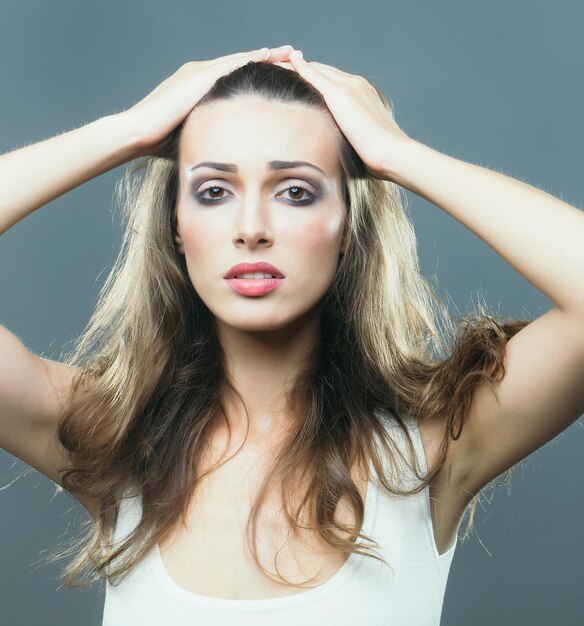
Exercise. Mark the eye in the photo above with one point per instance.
(214, 190)
(297, 195)
(298, 190)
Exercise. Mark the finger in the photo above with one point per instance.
(282, 47)
(331, 68)
(335, 73)
(332, 75)
(285, 64)
(230, 64)
(281, 53)
(234, 61)
(262, 53)
(318, 76)
(241, 55)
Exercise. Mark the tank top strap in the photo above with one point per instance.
(129, 514)
(414, 429)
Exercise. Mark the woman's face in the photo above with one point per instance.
(291, 217)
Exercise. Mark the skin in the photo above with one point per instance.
(254, 218)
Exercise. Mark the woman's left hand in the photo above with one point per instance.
(359, 112)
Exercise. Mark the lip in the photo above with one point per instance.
(253, 286)
(246, 268)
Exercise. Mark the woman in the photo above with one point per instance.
(319, 409)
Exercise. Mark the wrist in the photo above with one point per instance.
(128, 141)
(398, 166)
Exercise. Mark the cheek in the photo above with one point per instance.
(204, 246)
(321, 237)
(199, 233)
(314, 246)
(302, 241)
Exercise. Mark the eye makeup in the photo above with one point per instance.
(315, 192)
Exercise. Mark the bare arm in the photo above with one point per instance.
(540, 236)
(36, 174)
(32, 387)
(541, 393)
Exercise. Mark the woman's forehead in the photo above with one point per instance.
(269, 110)
(252, 128)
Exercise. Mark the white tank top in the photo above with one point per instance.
(363, 592)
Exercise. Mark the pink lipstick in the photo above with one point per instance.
(240, 280)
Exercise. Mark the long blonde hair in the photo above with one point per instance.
(150, 366)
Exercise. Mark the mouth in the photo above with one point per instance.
(254, 271)
(254, 286)
(255, 276)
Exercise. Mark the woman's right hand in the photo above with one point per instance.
(154, 117)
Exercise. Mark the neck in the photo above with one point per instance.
(262, 366)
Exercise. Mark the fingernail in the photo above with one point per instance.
(296, 54)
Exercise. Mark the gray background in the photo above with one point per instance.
(498, 84)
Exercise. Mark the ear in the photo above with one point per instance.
(177, 237)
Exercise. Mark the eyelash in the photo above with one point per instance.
(313, 196)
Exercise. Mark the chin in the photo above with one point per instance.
(260, 321)
(253, 325)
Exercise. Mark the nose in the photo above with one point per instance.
(252, 225)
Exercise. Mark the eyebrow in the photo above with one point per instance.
(271, 165)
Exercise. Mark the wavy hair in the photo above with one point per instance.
(146, 396)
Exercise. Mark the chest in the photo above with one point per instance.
(211, 555)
